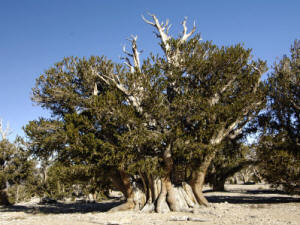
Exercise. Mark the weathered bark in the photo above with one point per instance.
(172, 198)
(162, 206)
(135, 198)
(157, 194)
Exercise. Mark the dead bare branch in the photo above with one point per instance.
(186, 35)
(4, 132)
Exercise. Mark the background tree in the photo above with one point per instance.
(279, 147)
(153, 124)
(230, 159)
(15, 166)
(234, 154)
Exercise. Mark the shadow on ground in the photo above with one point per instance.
(252, 197)
(62, 208)
(248, 197)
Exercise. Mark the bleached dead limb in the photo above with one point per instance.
(162, 32)
(95, 91)
(113, 79)
(127, 60)
(4, 132)
(135, 55)
(186, 35)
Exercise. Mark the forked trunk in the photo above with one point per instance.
(198, 178)
(196, 183)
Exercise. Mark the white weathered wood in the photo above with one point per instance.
(95, 91)
(4, 132)
(186, 35)
(135, 55)
(162, 32)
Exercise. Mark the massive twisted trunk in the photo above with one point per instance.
(159, 194)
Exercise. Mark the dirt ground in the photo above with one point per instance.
(240, 204)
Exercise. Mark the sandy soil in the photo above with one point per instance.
(241, 204)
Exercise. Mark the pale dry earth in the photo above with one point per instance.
(241, 204)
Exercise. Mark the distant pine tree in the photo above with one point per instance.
(279, 147)
(15, 168)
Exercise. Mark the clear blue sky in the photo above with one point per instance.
(34, 34)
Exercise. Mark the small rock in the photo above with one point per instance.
(179, 218)
(195, 219)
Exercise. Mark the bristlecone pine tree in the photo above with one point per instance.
(279, 147)
(151, 127)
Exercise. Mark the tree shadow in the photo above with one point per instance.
(250, 197)
(62, 208)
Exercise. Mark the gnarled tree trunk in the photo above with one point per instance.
(160, 194)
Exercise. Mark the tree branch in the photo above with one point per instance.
(215, 99)
(186, 35)
(162, 30)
